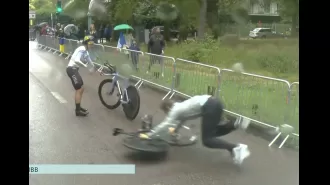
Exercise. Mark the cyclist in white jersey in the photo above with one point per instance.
(210, 110)
(80, 57)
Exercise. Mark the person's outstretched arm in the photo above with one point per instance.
(172, 119)
(89, 62)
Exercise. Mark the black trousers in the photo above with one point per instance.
(154, 60)
(212, 112)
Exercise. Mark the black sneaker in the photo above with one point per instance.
(81, 113)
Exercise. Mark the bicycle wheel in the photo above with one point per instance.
(146, 145)
(107, 83)
(184, 137)
(131, 109)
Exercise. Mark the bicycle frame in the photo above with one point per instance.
(115, 78)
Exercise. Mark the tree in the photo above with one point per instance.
(202, 19)
(76, 9)
(167, 12)
(290, 8)
(42, 6)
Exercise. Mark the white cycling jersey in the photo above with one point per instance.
(182, 111)
(80, 57)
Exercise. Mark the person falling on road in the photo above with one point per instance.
(80, 57)
(210, 110)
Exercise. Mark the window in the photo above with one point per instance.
(256, 29)
(267, 30)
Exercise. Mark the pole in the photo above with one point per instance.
(89, 20)
(89, 14)
(51, 18)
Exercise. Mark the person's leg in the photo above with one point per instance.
(79, 94)
(227, 126)
(77, 83)
(150, 62)
(133, 58)
(212, 112)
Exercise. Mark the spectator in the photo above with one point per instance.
(80, 34)
(156, 46)
(101, 32)
(129, 38)
(44, 30)
(61, 31)
(135, 55)
(93, 32)
(107, 33)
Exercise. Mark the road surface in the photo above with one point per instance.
(57, 136)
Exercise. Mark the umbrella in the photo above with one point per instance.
(70, 28)
(123, 27)
(42, 24)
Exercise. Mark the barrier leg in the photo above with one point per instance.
(172, 95)
(166, 95)
(286, 138)
(140, 85)
(278, 135)
(137, 82)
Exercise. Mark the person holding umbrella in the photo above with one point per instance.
(122, 41)
(70, 31)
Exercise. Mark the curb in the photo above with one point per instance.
(255, 129)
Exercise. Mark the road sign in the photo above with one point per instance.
(32, 14)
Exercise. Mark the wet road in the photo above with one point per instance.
(57, 136)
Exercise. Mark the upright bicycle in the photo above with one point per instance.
(128, 95)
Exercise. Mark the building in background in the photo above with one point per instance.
(265, 11)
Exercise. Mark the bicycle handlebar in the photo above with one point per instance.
(111, 67)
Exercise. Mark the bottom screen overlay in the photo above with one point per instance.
(81, 169)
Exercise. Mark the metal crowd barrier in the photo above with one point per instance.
(264, 100)
(158, 70)
(32, 34)
(41, 41)
(70, 46)
(192, 78)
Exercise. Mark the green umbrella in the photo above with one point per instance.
(123, 27)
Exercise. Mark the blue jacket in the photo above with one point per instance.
(107, 32)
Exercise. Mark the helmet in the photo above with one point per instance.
(88, 40)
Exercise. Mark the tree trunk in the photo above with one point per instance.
(202, 19)
(167, 31)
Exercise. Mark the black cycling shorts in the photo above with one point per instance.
(75, 77)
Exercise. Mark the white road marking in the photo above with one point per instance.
(59, 97)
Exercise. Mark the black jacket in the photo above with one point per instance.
(156, 44)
